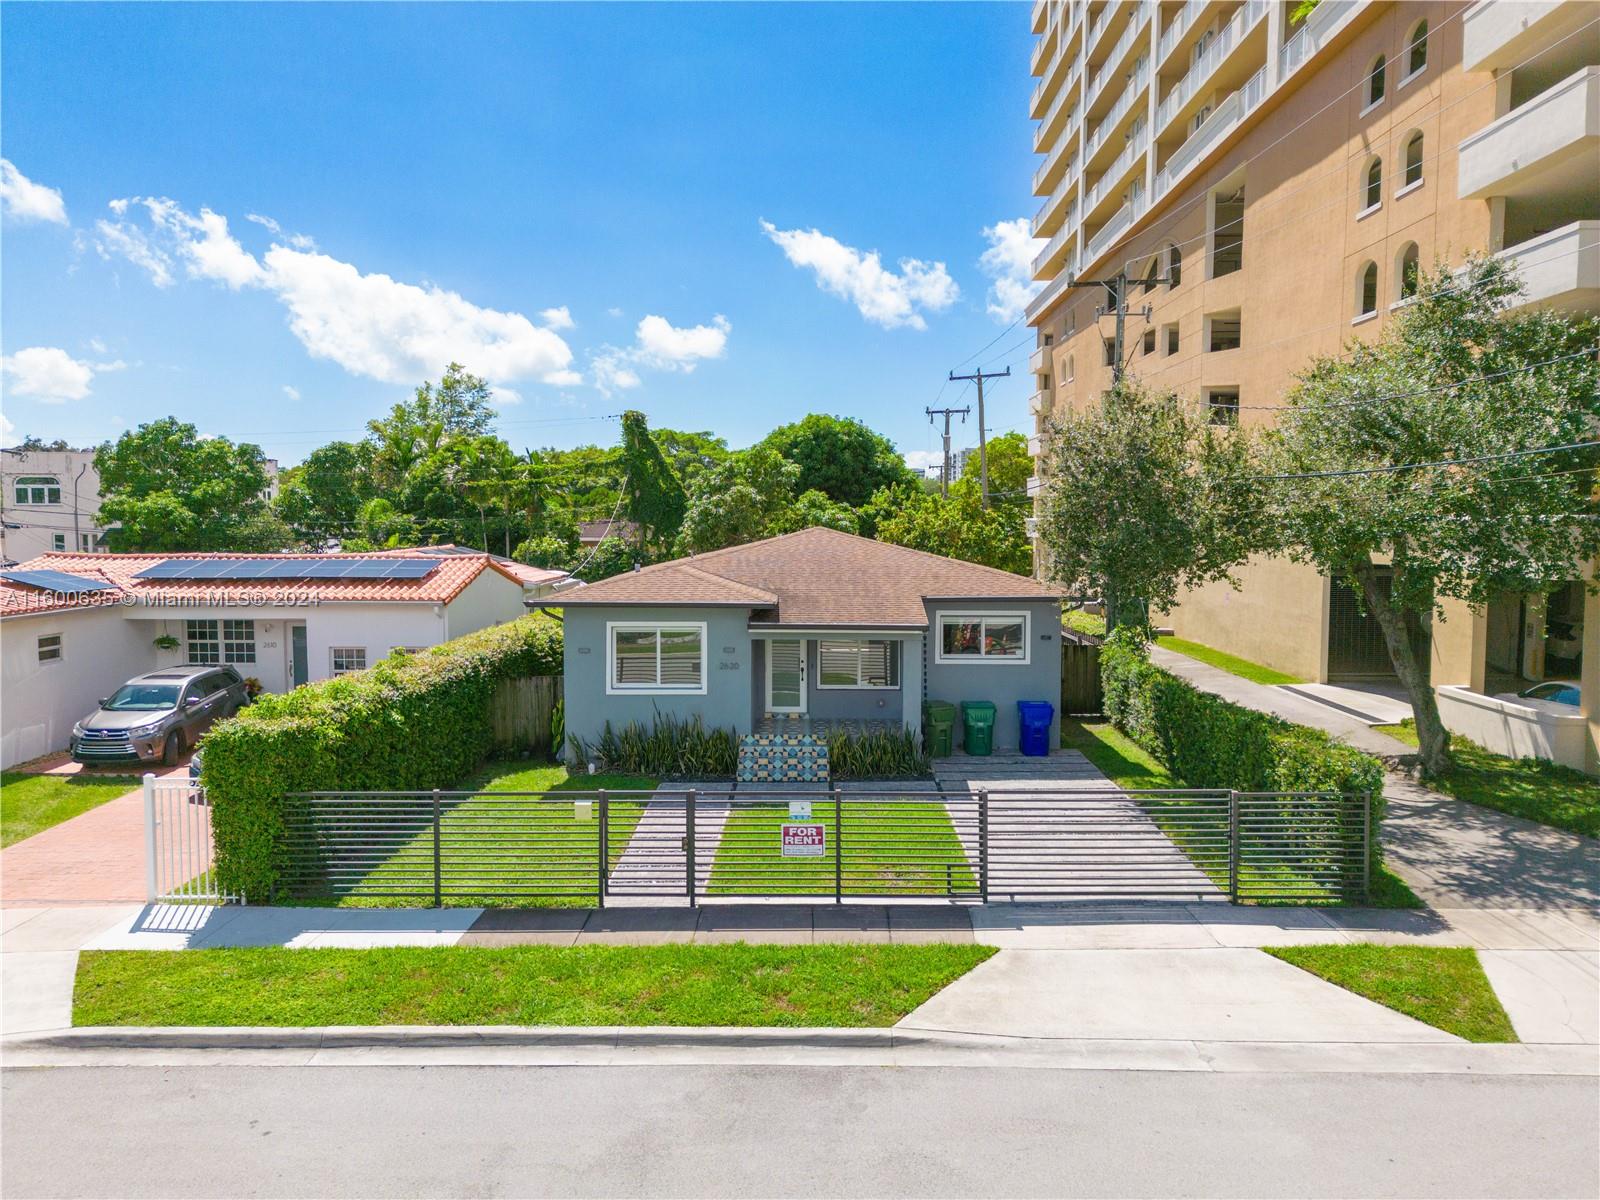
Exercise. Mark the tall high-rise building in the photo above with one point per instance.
(1271, 174)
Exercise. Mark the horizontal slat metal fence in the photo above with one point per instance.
(992, 845)
(177, 843)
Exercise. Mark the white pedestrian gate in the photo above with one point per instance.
(177, 842)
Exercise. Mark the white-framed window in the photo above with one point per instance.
(1413, 175)
(86, 543)
(50, 648)
(1222, 405)
(1375, 82)
(38, 489)
(238, 641)
(987, 637)
(1416, 51)
(58, 541)
(656, 656)
(220, 642)
(858, 663)
(1367, 291)
(1372, 191)
(203, 641)
(344, 659)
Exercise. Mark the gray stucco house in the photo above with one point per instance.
(819, 626)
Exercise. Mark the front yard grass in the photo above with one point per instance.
(734, 984)
(1534, 788)
(891, 848)
(489, 854)
(1129, 765)
(1440, 985)
(1231, 663)
(30, 803)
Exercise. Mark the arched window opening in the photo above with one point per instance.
(1375, 82)
(1367, 297)
(1417, 52)
(1373, 192)
(38, 489)
(1414, 159)
(1409, 271)
(1174, 266)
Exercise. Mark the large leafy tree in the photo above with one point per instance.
(690, 453)
(1010, 465)
(1455, 380)
(840, 457)
(321, 498)
(957, 526)
(738, 500)
(1144, 498)
(654, 498)
(166, 488)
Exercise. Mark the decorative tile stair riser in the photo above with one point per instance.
(782, 758)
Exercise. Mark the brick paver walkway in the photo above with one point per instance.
(95, 858)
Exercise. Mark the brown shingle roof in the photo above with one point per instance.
(815, 577)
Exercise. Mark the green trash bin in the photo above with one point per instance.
(977, 726)
(939, 727)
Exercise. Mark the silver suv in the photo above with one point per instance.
(159, 715)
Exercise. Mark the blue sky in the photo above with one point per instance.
(699, 188)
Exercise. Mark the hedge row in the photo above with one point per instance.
(413, 721)
(1208, 742)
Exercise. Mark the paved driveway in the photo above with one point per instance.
(1058, 829)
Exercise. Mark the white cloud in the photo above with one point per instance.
(882, 296)
(614, 311)
(293, 393)
(98, 346)
(568, 378)
(505, 397)
(557, 318)
(370, 324)
(50, 374)
(920, 460)
(6, 427)
(298, 240)
(1008, 262)
(24, 200)
(661, 346)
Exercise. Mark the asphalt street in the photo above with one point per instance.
(242, 1130)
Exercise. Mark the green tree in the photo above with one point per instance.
(811, 509)
(1010, 466)
(1454, 377)
(654, 497)
(738, 500)
(690, 453)
(168, 489)
(840, 457)
(320, 498)
(1145, 497)
(956, 526)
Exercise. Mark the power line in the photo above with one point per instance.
(1444, 462)
(979, 376)
(1445, 387)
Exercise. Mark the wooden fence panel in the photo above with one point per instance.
(1080, 674)
(520, 710)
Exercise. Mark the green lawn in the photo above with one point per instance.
(1233, 664)
(537, 847)
(1440, 985)
(736, 984)
(891, 848)
(30, 803)
(1128, 764)
(1533, 788)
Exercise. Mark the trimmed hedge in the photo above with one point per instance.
(1209, 742)
(412, 722)
(677, 748)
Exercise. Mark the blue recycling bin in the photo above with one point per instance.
(1035, 717)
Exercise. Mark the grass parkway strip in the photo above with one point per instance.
(734, 984)
(30, 803)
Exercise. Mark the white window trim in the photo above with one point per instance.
(858, 686)
(940, 658)
(1414, 75)
(334, 673)
(61, 649)
(1375, 104)
(1369, 210)
(1365, 317)
(1411, 187)
(613, 688)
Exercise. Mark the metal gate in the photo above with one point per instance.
(177, 842)
(825, 844)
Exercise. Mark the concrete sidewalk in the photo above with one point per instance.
(1453, 854)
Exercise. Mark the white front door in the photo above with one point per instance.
(786, 675)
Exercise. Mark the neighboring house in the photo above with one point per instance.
(49, 501)
(1277, 186)
(592, 533)
(74, 627)
(816, 625)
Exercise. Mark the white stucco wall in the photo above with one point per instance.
(490, 599)
(40, 701)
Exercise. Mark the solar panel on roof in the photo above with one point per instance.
(57, 581)
(412, 568)
(171, 569)
(289, 568)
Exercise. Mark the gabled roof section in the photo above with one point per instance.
(815, 577)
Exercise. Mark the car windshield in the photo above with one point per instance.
(1561, 693)
(143, 697)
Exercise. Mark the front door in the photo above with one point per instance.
(298, 659)
(786, 675)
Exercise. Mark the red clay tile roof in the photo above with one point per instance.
(532, 576)
(815, 577)
(455, 572)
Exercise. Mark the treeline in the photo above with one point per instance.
(431, 471)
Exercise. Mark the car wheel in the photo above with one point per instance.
(171, 749)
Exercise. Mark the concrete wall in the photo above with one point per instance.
(40, 701)
(38, 525)
(726, 703)
(490, 599)
(1003, 683)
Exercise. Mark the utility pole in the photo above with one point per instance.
(947, 413)
(983, 437)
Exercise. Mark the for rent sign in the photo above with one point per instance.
(804, 841)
